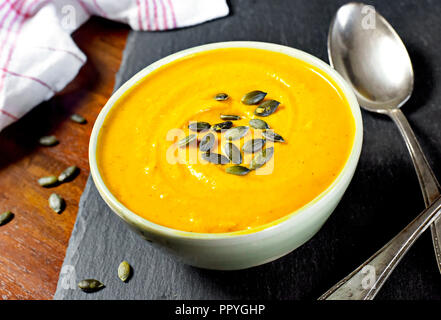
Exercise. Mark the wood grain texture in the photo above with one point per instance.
(33, 244)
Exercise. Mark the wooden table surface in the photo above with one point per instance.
(33, 244)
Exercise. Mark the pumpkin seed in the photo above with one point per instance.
(253, 145)
(272, 136)
(229, 117)
(5, 217)
(56, 203)
(218, 127)
(261, 158)
(90, 285)
(207, 142)
(78, 119)
(187, 140)
(68, 174)
(124, 271)
(238, 170)
(232, 152)
(215, 158)
(48, 181)
(236, 132)
(259, 124)
(266, 108)
(199, 126)
(221, 97)
(48, 141)
(253, 97)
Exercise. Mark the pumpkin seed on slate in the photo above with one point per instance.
(238, 170)
(78, 119)
(259, 124)
(232, 152)
(68, 174)
(207, 142)
(218, 127)
(261, 158)
(5, 217)
(253, 145)
(48, 181)
(236, 132)
(221, 97)
(56, 203)
(90, 285)
(48, 141)
(199, 126)
(229, 117)
(187, 140)
(272, 136)
(266, 108)
(215, 158)
(124, 271)
(253, 97)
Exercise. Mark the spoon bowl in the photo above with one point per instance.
(365, 49)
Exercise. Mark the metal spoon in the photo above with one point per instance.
(369, 54)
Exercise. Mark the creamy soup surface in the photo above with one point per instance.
(147, 172)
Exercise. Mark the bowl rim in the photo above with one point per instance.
(296, 216)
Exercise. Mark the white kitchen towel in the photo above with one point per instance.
(38, 56)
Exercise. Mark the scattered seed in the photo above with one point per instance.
(187, 140)
(215, 158)
(48, 181)
(253, 145)
(221, 97)
(78, 119)
(199, 126)
(56, 203)
(272, 136)
(68, 174)
(266, 108)
(238, 170)
(259, 124)
(5, 217)
(236, 132)
(229, 117)
(207, 142)
(90, 285)
(261, 158)
(48, 141)
(232, 152)
(218, 127)
(124, 271)
(253, 97)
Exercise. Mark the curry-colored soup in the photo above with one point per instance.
(137, 148)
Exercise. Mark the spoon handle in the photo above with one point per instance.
(428, 183)
(365, 281)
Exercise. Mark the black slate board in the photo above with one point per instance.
(382, 198)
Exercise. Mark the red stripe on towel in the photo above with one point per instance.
(147, 16)
(84, 6)
(138, 4)
(11, 50)
(44, 84)
(9, 27)
(73, 54)
(164, 15)
(173, 13)
(155, 14)
(100, 10)
(8, 114)
(5, 16)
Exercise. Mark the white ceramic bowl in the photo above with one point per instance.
(237, 250)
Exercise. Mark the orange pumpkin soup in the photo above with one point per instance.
(176, 187)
